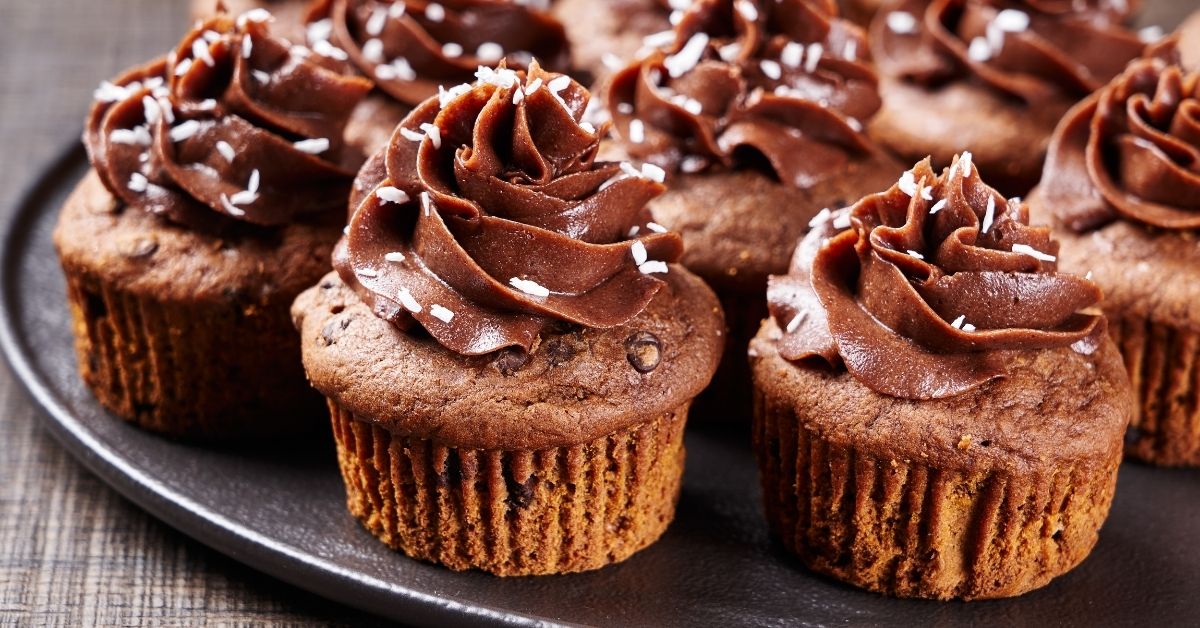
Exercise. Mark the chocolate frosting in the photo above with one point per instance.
(922, 290)
(1033, 50)
(747, 81)
(411, 47)
(488, 218)
(1131, 151)
(231, 125)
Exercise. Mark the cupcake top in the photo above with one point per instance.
(778, 83)
(1131, 151)
(921, 291)
(232, 126)
(1032, 50)
(412, 47)
(488, 218)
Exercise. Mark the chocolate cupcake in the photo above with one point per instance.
(415, 50)
(217, 192)
(756, 111)
(992, 76)
(938, 412)
(1122, 187)
(509, 371)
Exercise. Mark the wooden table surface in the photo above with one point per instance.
(73, 551)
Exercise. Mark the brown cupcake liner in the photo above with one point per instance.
(908, 529)
(514, 513)
(1163, 363)
(191, 370)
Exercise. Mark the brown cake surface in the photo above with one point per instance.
(578, 384)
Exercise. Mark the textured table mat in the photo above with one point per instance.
(72, 551)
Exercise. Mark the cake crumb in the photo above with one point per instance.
(964, 443)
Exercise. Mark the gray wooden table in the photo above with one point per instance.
(72, 551)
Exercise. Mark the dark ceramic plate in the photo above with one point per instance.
(282, 512)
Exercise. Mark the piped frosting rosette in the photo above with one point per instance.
(488, 218)
(921, 291)
(740, 82)
(1131, 151)
(232, 125)
(412, 47)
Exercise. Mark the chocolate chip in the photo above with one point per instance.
(333, 330)
(386, 309)
(644, 351)
(520, 494)
(1133, 435)
(138, 247)
(327, 284)
(563, 349)
(510, 360)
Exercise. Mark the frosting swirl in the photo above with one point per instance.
(231, 125)
(1131, 151)
(488, 217)
(412, 47)
(920, 291)
(1033, 50)
(745, 81)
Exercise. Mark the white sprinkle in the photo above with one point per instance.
(164, 107)
(144, 156)
(968, 327)
(915, 254)
(747, 10)
(692, 163)
(247, 46)
(854, 124)
(452, 50)
(653, 266)
(230, 208)
(1150, 34)
(1012, 20)
(184, 131)
(771, 69)
(629, 169)
(659, 40)
(675, 18)
(489, 51)
(441, 313)
(367, 272)
(689, 104)
(654, 173)
(260, 76)
(389, 194)
(842, 222)
(138, 182)
(446, 96)
(372, 50)
(979, 50)
(407, 300)
(587, 126)
(1025, 249)
(679, 5)
(927, 193)
(938, 206)
(396, 10)
(637, 131)
(612, 61)
(965, 159)
(792, 55)
(226, 150)
(1088, 276)
(208, 104)
(794, 324)
(683, 61)
(313, 147)
(346, 230)
(901, 22)
(300, 52)
(655, 227)
(502, 77)
(326, 49)
(990, 214)
(958, 322)
(138, 135)
(395, 257)
(821, 218)
(200, 51)
(531, 288)
(729, 52)
(321, 30)
(182, 67)
(518, 96)
(435, 12)
(625, 108)
(558, 83)
(108, 92)
(376, 22)
(252, 186)
(634, 230)
(639, 253)
(533, 86)
(150, 109)
(257, 16)
(426, 203)
(908, 183)
(411, 135)
(433, 133)
(814, 57)
(851, 51)
(210, 36)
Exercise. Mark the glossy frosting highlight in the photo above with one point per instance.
(1131, 151)
(411, 47)
(1033, 50)
(488, 218)
(743, 82)
(234, 125)
(920, 291)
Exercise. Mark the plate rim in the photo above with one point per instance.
(181, 513)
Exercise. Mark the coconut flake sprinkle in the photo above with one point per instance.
(1025, 249)
(531, 288)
